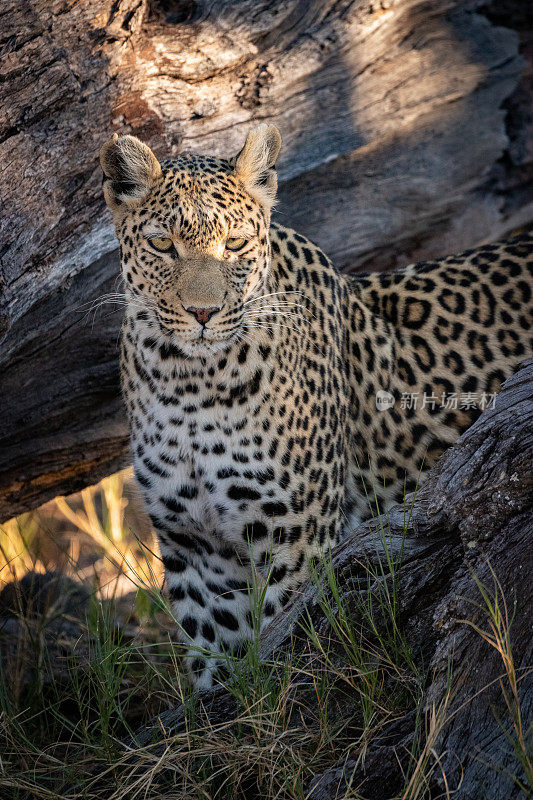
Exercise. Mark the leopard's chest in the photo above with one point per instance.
(206, 451)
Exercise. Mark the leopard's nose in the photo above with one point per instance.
(202, 315)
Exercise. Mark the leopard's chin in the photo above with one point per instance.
(203, 346)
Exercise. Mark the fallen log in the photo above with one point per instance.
(407, 134)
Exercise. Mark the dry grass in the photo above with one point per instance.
(497, 634)
(70, 697)
(100, 534)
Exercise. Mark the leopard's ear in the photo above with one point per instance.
(255, 166)
(130, 171)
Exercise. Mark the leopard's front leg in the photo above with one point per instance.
(209, 590)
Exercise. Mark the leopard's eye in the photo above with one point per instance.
(161, 243)
(235, 244)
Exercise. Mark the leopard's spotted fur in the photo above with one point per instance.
(256, 434)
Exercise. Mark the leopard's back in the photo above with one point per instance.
(430, 346)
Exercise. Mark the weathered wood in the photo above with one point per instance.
(472, 517)
(396, 146)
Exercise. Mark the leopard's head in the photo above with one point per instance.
(193, 232)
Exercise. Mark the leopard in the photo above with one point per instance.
(275, 403)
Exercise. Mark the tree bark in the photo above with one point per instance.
(472, 519)
(407, 134)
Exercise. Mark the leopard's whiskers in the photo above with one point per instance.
(269, 294)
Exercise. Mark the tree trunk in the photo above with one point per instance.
(471, 520)
(407, 134)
